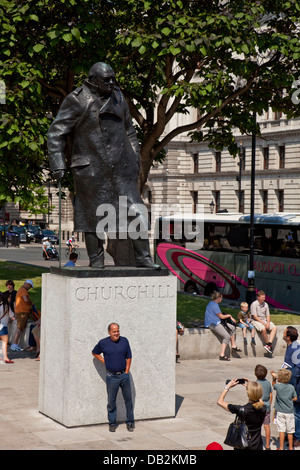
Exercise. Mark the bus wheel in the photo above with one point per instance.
(209, 288)
(191, 288)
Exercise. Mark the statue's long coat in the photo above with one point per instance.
(105, 152)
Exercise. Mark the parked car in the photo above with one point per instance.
(33, 230)
(46, 234)
(17, 230)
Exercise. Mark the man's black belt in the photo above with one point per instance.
(116, 373)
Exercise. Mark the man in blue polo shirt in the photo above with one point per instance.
(292, 362)
(117, 360)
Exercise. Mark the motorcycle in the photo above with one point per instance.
(52, 253)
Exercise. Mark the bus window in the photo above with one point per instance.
(186, 233)
(262, 237)
(238, 237)
(281, 242)
(213, 236)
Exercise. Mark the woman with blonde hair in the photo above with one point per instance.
(213, 320)
(253, 413)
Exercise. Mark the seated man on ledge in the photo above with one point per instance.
(261, 320)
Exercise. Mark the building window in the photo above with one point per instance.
(282, 156)
(264, 196)
(242, 158)
(280, 197)
(241, 201)
(195, 201)
(266, 158)
(277, 115)
(216, 197)
(195, 162)
(218, 161)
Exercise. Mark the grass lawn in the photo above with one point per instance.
(190, 308)
(19, 272)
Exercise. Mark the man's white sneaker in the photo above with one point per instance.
(15, 347)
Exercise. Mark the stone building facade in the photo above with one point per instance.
(193, 175)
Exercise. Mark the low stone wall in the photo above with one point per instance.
(201, 343)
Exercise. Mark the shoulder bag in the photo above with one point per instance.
(238, 434)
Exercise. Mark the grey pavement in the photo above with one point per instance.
(198, 420)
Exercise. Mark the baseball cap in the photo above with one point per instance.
(214, 446)
(29, 282)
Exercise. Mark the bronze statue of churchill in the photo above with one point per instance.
(104, 159)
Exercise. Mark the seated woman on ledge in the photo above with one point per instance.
(213, 317)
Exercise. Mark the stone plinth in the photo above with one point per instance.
(77, 307)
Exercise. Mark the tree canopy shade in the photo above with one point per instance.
(225, 58)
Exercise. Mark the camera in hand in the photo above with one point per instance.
(239, 381)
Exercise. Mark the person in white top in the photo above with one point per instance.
(46, 245)
(71, 243)
(6, 314)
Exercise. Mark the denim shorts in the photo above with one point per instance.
(241, 325)
(4, 331)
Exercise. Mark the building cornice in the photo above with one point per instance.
(271, 173)
(266, 135)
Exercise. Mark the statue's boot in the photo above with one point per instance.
(95, 250)
(142, 254)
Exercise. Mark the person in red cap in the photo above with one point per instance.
(214, 446)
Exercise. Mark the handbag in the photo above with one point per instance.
(180, 328)
(237, 434)
(225, 322)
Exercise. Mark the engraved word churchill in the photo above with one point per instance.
(133, 292)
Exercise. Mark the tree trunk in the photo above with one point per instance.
(146, 163)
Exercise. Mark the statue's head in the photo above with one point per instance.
(103, 77)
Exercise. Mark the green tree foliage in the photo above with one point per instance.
(45, 47)
(225, 58)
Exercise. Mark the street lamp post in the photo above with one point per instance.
(240, 176)
(212, 206)
(250, 295)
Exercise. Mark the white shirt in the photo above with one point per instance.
(5, 319)
(46, 245)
